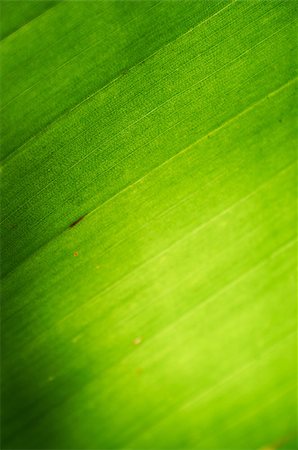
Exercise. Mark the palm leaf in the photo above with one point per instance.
(148, 224)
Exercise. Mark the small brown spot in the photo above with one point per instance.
(73, 224)
(137, 341)
(76, 254)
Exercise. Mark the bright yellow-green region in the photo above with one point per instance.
(148, 224)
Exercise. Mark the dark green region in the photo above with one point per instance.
(148, 225)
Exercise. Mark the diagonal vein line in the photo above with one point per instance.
(199, 141)
(53, 71)
(270, 350)
(59, 118)
(179, 93)
(112, 167)
(25, 25)
(132, 124)
(209, 299)
(181, 318)
(271, 400)
(209, 392)
(213, 297)
(168, 161)
(184, 238)
(177, 242)
(155, 108)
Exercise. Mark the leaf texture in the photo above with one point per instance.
(148, 224)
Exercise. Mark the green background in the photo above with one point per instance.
(148, 224)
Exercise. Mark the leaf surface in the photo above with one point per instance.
(148, 224)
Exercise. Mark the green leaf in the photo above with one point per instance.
(148, 224)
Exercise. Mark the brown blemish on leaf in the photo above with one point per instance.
(76, 254)
(137, 340)
(73, 224)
